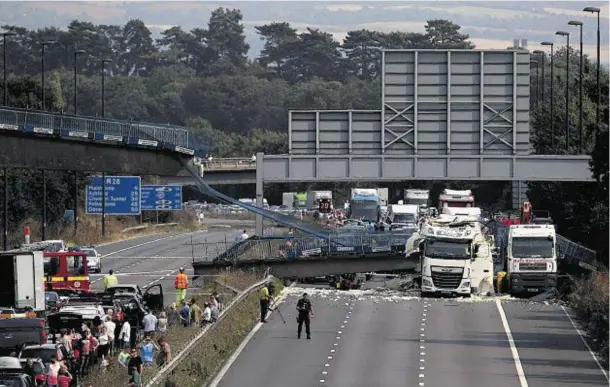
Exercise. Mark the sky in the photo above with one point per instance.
(491, 24)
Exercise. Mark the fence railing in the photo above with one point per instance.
(166, 133)
(258, 248)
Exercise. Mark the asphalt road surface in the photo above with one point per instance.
(392, 341)
(153, 260)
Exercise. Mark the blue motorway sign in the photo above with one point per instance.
(162, 197)
(122, 196)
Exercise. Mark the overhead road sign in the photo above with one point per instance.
(162, 197)
(123, 196)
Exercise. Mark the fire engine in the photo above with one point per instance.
(65, 272)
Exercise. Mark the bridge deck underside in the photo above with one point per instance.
(312, 267)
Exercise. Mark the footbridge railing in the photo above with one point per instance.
(93, 128)
(274, 247)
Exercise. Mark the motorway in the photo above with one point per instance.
(363, 340)
(156, 259)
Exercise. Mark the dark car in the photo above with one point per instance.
(17, 332)
(12, 374)
(38, 370)
(52, 301)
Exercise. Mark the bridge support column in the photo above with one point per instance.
(519, 194)
(260, 192)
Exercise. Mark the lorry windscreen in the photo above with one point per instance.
(532, 247)
(403, 218)
(366, 209)
(447, 250)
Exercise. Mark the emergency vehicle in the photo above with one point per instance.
(65, 272)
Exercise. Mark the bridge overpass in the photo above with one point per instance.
(220, 171)
(45, 140)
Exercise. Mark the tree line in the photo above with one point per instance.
(204, 79)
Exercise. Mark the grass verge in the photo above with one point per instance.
(220, 342)
(589, 300)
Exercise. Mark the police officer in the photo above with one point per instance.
(110, 279)
(264, 297)
(305, 310)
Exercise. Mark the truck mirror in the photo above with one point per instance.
(421, 247)
(476, 248)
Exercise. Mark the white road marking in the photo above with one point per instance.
(513, 347)
(582, 337)
(225, 368)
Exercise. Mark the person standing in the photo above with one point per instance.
(264, 296)
(181, 284)
(110, 280)
(150, 324)
(305, 310)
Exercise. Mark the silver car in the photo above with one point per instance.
(94, 259)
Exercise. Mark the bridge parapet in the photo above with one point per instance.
(274, 247)
(229, 164)
(94, 128)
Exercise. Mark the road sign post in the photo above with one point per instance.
(162, 197)
(122, 195)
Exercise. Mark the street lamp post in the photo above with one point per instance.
(567, 35)
(104, 61)
(43, 45)
(537, 81)
(543, 57)
(4, 36)
(552, 94)
(76, 53)
(599, 93)
(580, 117)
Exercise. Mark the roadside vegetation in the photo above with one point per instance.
(210, 354)
(590, 302)
(178, 336)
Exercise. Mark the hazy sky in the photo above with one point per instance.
(491, 24)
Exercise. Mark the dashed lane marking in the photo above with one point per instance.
(333, 350)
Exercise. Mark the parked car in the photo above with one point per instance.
(94, 259)
(38, 370)
(52, 301)
(17, 332)
(45, 352)
(12, 373)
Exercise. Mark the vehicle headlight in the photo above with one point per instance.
(426, 282)
(466, 284)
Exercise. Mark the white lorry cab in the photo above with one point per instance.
(455, 257)
(462, 211)
(531, 258)
(403, 217)
(455, 198)
(420, 197)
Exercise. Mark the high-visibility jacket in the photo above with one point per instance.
(110, 280)
(264, 293)
(181, 282)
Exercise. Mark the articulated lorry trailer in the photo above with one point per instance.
(419, 197)
(365, 204)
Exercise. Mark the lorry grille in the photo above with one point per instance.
(532, 266)
(443, 280)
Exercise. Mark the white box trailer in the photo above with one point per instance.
(288, 199)
(22, 285)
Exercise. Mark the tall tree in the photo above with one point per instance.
(362, 50)
(315, 54)
(138, 48)
(279, 39)
(225, 40)
(446, 34)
